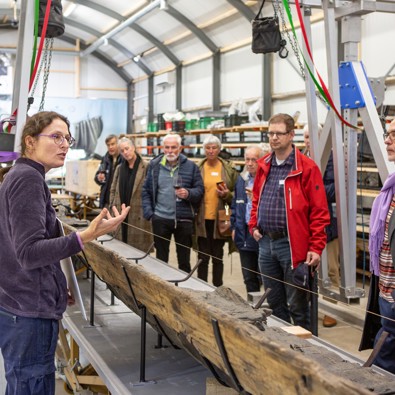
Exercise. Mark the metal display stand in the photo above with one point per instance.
(343, 140)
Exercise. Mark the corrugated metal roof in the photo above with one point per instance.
(172, 32)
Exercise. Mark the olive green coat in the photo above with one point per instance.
(229, 175)
(139, 229)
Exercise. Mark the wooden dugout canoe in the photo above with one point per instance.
(264, 362)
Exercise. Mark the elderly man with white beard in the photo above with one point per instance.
(171, 194)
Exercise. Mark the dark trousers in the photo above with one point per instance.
(28, 347)
(284, 299)
(250, 270)
(182, 230)
(214, 248)
(385, 358)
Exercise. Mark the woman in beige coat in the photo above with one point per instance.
(127, 185)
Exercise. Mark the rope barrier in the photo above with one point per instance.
(312, 293)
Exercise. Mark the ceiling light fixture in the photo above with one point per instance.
(136, 58)
(163, 5)
(71, 7)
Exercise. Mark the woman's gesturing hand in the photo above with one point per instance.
(104, 223)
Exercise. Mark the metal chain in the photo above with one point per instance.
(33, 90)
(278, 9)
(47, 59)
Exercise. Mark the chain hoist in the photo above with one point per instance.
(279, 10)
(46, 64)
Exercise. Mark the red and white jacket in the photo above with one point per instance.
(306, 205)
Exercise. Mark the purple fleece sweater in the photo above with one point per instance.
(31, 281)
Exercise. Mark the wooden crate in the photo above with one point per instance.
(80, 177)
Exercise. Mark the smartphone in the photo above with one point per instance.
(221, 183)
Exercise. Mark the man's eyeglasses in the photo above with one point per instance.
(59, 138)
(391, 135)
(278, 134)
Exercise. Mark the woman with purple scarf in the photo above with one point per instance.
(382, 261)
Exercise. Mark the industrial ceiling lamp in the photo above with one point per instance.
(136, 58)
(163, 5)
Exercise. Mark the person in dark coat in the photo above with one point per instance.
(105, 173)
(382, 260)
(171, 194)
(241, 207)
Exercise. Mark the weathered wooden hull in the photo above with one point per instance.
(264, 362)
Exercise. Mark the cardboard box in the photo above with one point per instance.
(80, 177)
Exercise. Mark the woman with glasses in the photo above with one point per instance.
(33, 289)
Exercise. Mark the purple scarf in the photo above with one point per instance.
(378, 216)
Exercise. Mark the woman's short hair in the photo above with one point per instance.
(211, 139)
(126, 140)
(37, 123)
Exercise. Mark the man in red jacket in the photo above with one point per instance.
(288, 218)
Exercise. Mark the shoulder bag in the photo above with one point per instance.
(266, 36)
(223, 222)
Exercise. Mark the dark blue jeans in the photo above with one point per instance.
(28, 347)
(285, 300)
(250, 270)
(386, 357)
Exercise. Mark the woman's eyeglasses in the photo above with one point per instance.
(59, 138)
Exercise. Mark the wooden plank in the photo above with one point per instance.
(269, 361)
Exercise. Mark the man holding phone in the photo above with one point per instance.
(288, 219)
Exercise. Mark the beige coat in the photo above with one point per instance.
(139, 229)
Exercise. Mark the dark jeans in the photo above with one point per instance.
(28, 348)
(250, 270)
(285, 300)
(385, 358)
(163, 230)
(214, 248)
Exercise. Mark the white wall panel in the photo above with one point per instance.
(378, 33)
(241, 74)
(141, 99)
(95, 74)
(197, 84)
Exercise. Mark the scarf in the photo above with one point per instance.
(378, 216)
(127, 178)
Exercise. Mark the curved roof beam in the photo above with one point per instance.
(166, 51)
(193, 28)
(242, 8)
(104, 58)
(109, 12)
(114, 43)
(100, 8)
(137, 15)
